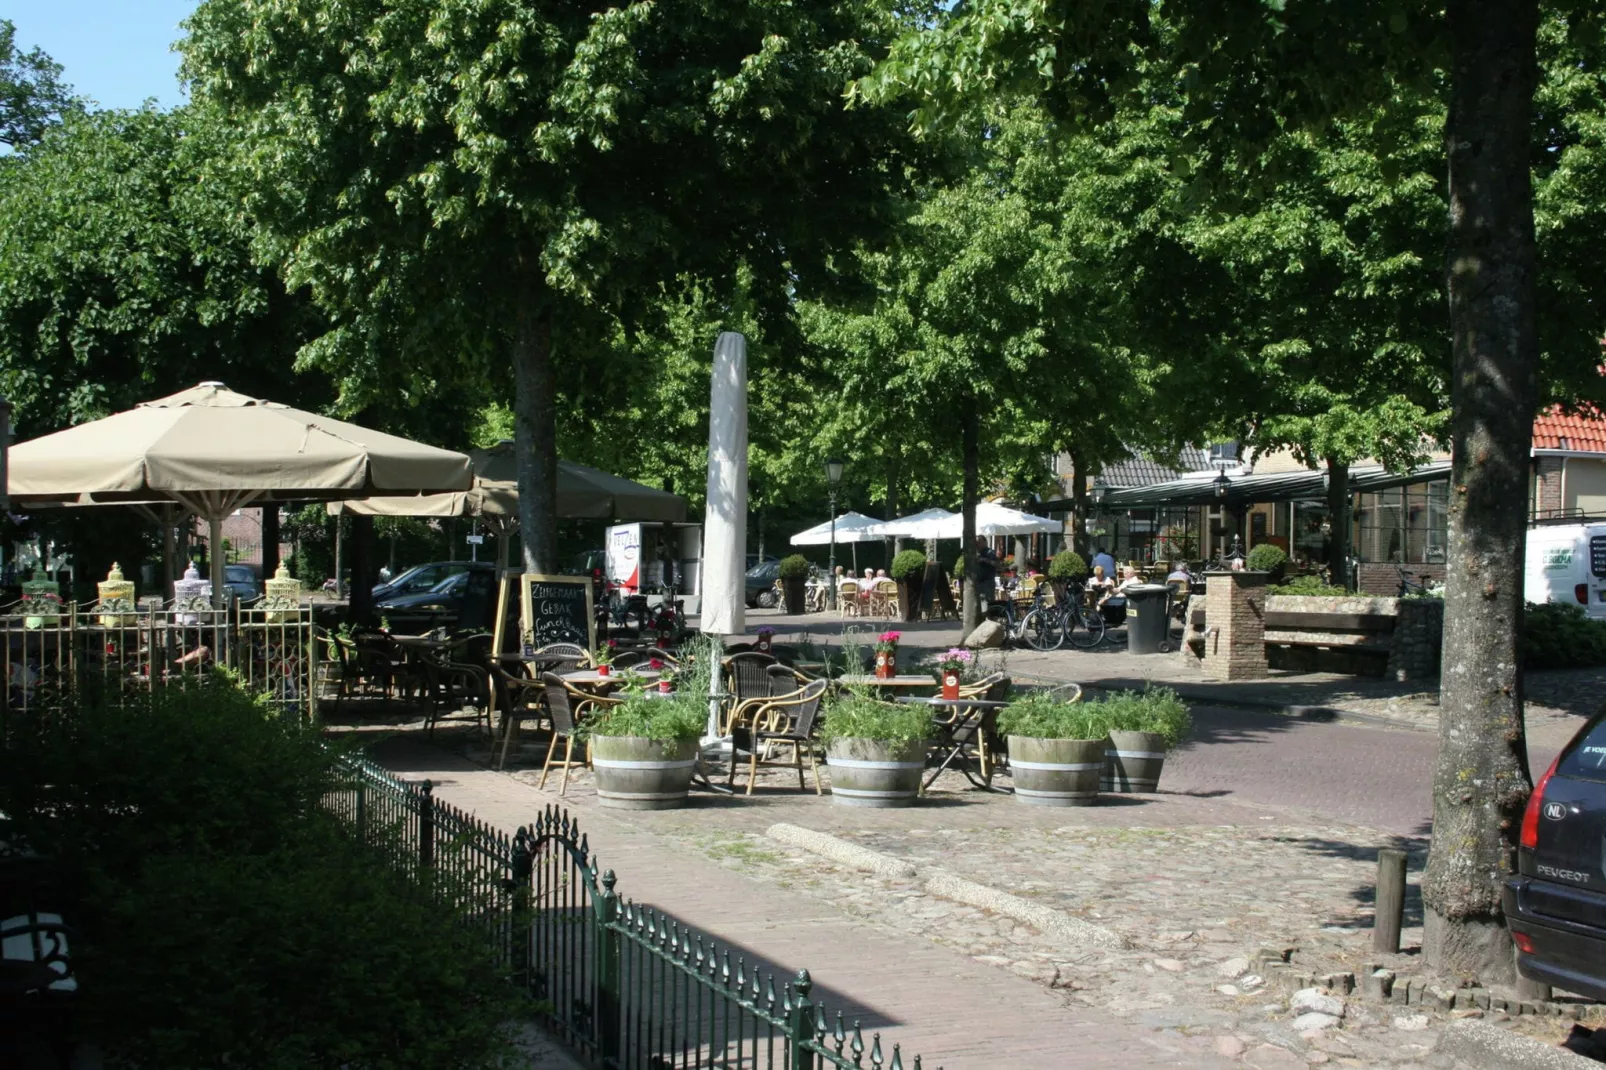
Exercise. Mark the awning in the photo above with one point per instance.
(1248, 490)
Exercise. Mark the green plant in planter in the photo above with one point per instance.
(795, 567)
(669, 720)
(907, 565)
(1067, 567)
(1154, 709)
(1267, 557)
(1305, 586)
(857, 716)
(1039, 715)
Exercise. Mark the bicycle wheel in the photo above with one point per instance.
(1042, 630)
(1086, 628)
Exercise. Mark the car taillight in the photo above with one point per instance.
(1581, 592)
(1523, 941)
(1536, 802)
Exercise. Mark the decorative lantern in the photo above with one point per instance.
(116, 599)
(191, 596)
(41, 598)
(283, 598)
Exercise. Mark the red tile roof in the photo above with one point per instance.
(1556, 430)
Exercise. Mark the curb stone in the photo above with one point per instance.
(1492, 1048)
(947, 886)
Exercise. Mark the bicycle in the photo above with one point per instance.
(1408, 587)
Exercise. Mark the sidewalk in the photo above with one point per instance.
(1558, 701)
(954, 1011)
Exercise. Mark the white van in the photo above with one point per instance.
(1567, 563)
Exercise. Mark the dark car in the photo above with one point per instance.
(440, 605)
(421, 579)
(1556, 905)
(241, 580)
(761, 584)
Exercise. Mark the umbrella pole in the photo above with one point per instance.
(855, 557)
(214, 552)
(169, 553)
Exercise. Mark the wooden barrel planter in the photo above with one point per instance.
(1132, 761)
(866, 772)
(642, 774)
(1056, 772)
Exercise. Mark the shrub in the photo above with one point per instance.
(1306, 585)
(1067, 566)
(795, 567)
(1039, 715)
(222, 914)
(908, 564)
(1267, 557)
(677, 718)
(1556, 635)
(857, 716)
(1154, 709)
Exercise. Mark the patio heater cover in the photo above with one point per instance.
(724, 609)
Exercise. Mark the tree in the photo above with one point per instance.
(125, 274)
(463, 185)
(32, 95)
(1248, 73)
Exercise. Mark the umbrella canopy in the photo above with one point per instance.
(850, 527)
(991, 519)
(922, 525)
(213, 451)
(583, 493)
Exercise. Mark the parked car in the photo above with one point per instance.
(440, 605)
(1556, 904)
(241, 580)
(761, 583)
(421, 579)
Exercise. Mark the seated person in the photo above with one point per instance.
(1129, 578)
(1178, 573)
(1100, 585)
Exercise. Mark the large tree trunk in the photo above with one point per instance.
(270, 540)
(970, 598)
(535, 432)
(1079, 514)
(1481, 781)
(1338, 518)
(894, 466)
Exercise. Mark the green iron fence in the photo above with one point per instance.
(621, 984)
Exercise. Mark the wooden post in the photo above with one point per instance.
(1390, 901)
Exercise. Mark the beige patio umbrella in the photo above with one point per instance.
(213, 451)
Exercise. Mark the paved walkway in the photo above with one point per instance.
(954, 1011)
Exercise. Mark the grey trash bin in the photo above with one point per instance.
(1148, 625)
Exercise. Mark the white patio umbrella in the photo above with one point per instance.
(922, 525)
(213, 451)
(850, 527)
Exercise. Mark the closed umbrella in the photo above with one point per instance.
(213, 451)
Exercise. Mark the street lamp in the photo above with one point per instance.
(833, 480)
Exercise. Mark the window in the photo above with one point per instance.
(1404, 525)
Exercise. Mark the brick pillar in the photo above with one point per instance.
(1547, 479)
(1235, 623)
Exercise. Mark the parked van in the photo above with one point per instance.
(1567, 563)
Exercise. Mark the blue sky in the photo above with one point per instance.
(117, 52)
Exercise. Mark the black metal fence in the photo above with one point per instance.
(622, 985)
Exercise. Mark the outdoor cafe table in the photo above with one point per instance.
(902, 680)
(592, 679)
(974, 716)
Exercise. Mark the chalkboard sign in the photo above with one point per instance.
(1597, 555)
(556, 609)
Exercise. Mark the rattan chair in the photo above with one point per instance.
(747, 679)
(457, 680)
(847, 598)
(520, 698)
(788, 720)
(566, 705)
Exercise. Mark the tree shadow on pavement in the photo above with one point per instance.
(1364, 895)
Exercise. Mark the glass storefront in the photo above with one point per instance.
(1404, 524)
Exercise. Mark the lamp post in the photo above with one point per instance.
(5, 449)
(833, 480)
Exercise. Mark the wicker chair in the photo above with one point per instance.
(457, 680)
(747, 676)
(566, 705)
(847, 598)
(784, 721)
(563, 657)
(520, 698)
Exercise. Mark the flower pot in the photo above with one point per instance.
(1132, 761)
(886, 664)
(1056, 772)
(604, 670)
(763, 644)
(867, 772)
(666, 687)
(642, 774)
(909, 598)
(950, 685)
(795, 591)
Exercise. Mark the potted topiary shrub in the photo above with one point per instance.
(794, 573)
(876, 750)
(909, 570)
(1143, 726)
(1056, 749)
(1270, 558)
(644, 750)
(1066, 568)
